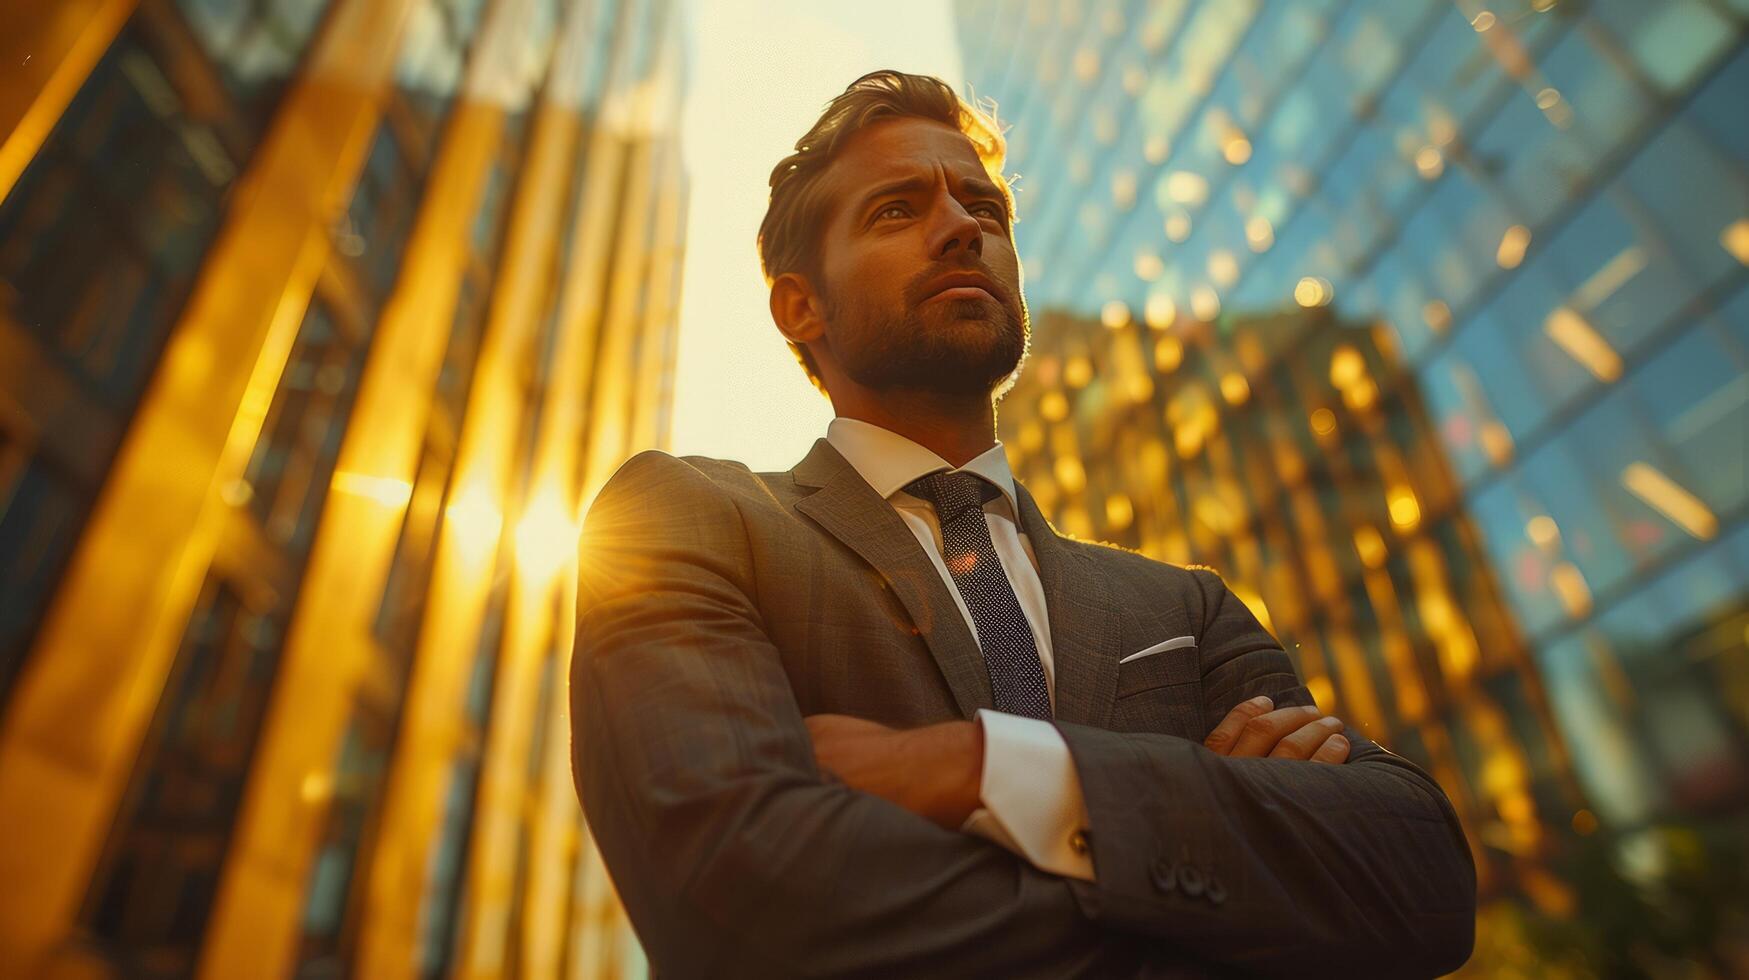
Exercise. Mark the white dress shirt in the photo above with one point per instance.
(1031, 796)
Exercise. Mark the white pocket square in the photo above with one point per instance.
(1164, 645)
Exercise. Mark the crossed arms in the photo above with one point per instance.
(735, 853)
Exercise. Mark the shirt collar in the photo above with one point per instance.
(888, 460)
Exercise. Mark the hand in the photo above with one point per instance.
(1252, 730)
(935, 771)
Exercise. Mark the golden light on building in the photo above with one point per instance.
(475, 519)
(1119, 511)
(387, 491)
(1347, 367)
(1735, 240)
(1512, 246)
(1669, 498)
(1571, 589)
(1259, 233)
(1160, 311)
(1234, 388)
(1177, 225)
(1236, 149)
(1223, 268)
(1184, 187)
(1168, 354)
(546, 536)
(1078, 371)
(1554, 108)
(1369, 544)
(1053, 407)
(1156, 149)
(1436, 314)
(1429, 162)
(1115, 314)
(1323, 422)
(1070, 474)
(1312, 291)
(1123, 190)
(1404, 508)
(1205, 303)
(1361, 396)
(1149, 267)
(1543, 532)
(1574, 334)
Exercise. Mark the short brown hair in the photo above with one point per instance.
(790, 233)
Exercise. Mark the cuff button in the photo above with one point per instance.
(1190, 880)
(1165, 875)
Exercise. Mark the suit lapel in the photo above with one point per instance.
(850, 510)
(1085, 630)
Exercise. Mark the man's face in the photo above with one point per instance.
(912, 204)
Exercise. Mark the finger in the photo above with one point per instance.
(1301, 743)
(1227, 732)
(1259, 735)
(1334, 750)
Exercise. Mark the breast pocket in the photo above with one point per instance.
(1161, 692)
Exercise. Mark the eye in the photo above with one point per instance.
(891, 207)
(995, 211)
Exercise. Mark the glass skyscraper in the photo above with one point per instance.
(319, 322)
(1426, 324)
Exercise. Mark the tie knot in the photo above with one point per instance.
(952, 493)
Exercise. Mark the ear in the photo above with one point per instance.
(796, 309)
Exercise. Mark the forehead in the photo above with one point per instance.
(895, 149)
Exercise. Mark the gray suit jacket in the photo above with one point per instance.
(718, 606)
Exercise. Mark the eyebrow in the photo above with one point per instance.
(975, 186)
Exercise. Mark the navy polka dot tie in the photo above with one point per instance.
(1017, 678)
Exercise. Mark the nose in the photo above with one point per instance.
(956, 230)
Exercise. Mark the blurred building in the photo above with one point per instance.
(1427, 325)
(320, 320)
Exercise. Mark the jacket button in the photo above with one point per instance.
(1078, 842)
(1214, 890)
(1165, 875)
(1190, 880)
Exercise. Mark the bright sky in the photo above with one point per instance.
(761, 72)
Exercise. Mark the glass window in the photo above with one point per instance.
(96, 259)
(1718, 108)
(254, 45)
(1695, 393)
(1619, 278)
(1692, 193)
(1671, 41)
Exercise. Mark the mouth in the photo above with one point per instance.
(963, 292)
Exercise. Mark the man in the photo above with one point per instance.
(875, 716)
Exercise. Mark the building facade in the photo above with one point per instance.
(1426, 324)
(320, 322)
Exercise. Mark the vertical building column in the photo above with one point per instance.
(46, 52)
(256, 919)
(112, 628)
(483, 482)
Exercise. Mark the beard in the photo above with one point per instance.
(947, 347)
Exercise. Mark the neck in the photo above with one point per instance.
(957, 428)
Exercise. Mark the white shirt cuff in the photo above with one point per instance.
(1032, 803)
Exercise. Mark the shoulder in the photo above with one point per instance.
(654, 476)
(1199, 586)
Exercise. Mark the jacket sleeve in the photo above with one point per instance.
(1357, 868)
(731, 852)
